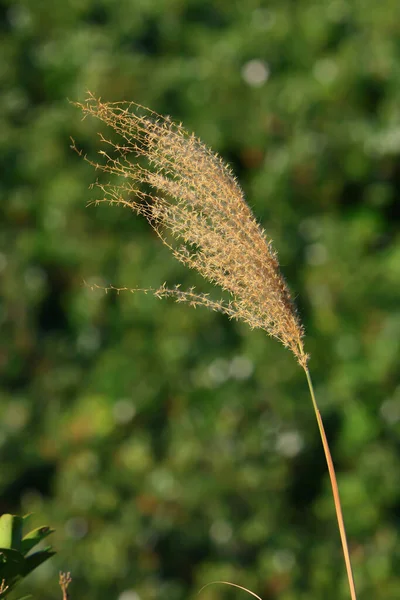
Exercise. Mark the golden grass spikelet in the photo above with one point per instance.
(197, 208)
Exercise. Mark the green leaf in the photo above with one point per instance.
(6, 522)
(12, 566)
(31, 539)
(10, 531)
(35, 560)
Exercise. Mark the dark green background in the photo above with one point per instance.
(171, 447)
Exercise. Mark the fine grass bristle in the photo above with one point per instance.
(197, 208)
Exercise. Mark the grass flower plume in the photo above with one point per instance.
(197, 208)
(195, 205)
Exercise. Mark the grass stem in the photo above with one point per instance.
(335, 489)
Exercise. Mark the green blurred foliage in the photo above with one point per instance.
(170, 447)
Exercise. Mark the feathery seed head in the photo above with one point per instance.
(198, 210)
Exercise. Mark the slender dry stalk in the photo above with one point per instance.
(197, 208)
